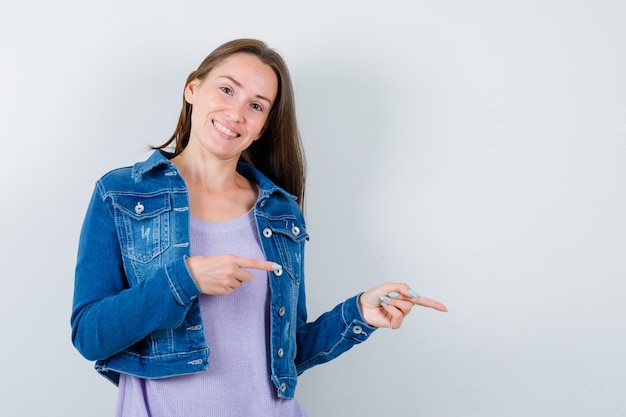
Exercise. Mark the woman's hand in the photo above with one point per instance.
(387, 304)
(222, 274)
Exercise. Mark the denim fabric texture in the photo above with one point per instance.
(135, 307)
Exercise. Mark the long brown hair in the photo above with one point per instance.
(278, 153)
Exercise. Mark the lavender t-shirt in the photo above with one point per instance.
(236, 327)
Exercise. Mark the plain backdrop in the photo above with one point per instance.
(475, 149)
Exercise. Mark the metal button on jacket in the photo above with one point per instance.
(357, 329)
(267, 232)
(281, 311)
(280, 352)
(139, 208)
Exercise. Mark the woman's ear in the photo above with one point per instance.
(190, 90)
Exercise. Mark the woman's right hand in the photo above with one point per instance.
(223, 274)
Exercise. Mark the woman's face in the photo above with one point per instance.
(231, 105)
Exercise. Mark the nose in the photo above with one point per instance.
(236, 111)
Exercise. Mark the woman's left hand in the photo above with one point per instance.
(387, 304)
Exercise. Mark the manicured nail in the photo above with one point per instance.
(413, 293)
(277, 267)
(393, 294)
(385, 299)
(384, 304)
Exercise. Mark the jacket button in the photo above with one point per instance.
(262, 203)
(283, 387)
(139, 208)
(267, 232)
(278, 272)
(281, 311)
(295, 230)
(280, 352)
(357, 330)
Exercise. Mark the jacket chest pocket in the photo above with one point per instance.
(143, 225)
(287, 235)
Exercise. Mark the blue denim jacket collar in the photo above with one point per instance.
(162, 158)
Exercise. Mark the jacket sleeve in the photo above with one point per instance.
(107, 315)
(332, 334)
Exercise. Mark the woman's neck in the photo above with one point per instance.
(217, 192)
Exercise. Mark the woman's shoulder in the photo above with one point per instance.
(142, 174)
(117, 173)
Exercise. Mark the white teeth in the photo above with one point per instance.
(225, 130)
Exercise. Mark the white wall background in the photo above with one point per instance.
(474, 149)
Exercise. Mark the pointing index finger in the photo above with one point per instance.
(251, 263)
(428, 302)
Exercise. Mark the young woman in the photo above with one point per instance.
(189, 286)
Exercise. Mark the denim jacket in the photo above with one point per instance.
(136, 307)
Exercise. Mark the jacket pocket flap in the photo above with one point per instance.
(289, 227)
(142, 207)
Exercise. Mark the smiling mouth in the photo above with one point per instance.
(225, 130)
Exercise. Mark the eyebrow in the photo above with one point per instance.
(238, 84)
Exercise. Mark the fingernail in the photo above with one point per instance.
(384, 304)
(277, 267)
(393, 294)
(385, 299)
(413, 293)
